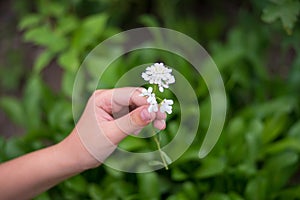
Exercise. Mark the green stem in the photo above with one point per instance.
(160, 152)
(159, 99)
(155, 136)
(154, 88)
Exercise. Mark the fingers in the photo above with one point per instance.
(159, 124)
(129, 124)
(122, 122)
(160, 120)
(160, 115)
(99, 130)
(114, 100)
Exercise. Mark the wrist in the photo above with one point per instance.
(76, 154)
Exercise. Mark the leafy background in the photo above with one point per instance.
(255, 45)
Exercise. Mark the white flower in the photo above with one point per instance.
(152, 99)
(166, 106)
(160, 75)
(153, 108)
(153, 103)
(146, 92)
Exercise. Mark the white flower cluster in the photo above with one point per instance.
(160, 75)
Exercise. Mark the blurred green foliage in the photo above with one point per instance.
(257, 156)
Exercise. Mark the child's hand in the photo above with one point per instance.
(111, 115)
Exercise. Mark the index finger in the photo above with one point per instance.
(113, 100)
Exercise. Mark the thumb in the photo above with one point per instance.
(132, 122)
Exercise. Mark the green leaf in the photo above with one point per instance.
(2, 149)
(132, 144)
(190, 190)
(283, 165)
(32, 102)
(29, 21)
(12, 73)
(60, 116)
(253, 139)
(178, 175)
(285, 10)
(149, 21)
(290, 193)
(295, 131)
(274, 127)
(235, 127)
(178, 196)
(282, 145)
(256, 189)
(42, 61)
(211, 166)
(121, 188)
(156, 163)
(67, 25)
(13, 148)
(217, 196)
(167, 158)
(44, 36)
(43, 196)
(91, 29)
(14, 109)
(77, 184)
(51, 8)
(114, 173)
(235, 196)
(282, 105)
(69, 60)
(148, 185)
(281, 161)
(95, 192)
(68, 82)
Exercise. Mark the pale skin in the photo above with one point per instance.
(29, 175)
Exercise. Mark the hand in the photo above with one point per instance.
(123, 111)
(109, 116)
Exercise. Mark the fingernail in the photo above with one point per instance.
(160, 124)
(163, 124)
(145, 115)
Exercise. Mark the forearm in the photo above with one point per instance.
(29, 175)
